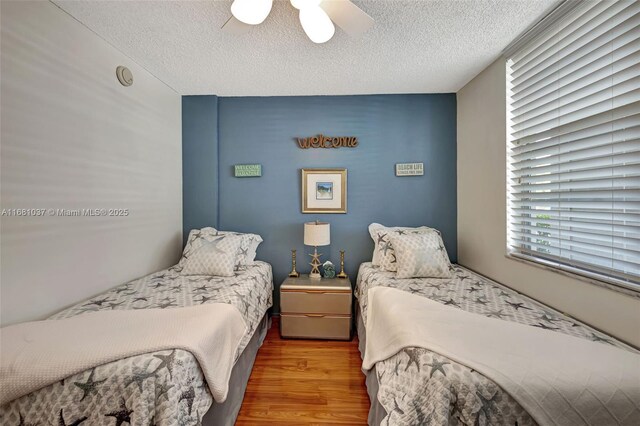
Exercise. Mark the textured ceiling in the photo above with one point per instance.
(414, 47)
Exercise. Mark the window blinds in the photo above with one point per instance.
(573, 95)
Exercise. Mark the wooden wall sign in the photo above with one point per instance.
(409, 169)
(247, 170)
(322, 141)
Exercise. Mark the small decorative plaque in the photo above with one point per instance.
(409, 169)
(247, 170)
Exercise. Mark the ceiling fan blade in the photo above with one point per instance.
(353, 20)
(236, 27)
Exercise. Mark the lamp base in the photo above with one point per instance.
(315, 264)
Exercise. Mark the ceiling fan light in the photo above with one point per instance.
(252, 12)
(317, 24)
(301, 4)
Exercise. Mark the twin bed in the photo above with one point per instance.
(167, 386)
(418, 386)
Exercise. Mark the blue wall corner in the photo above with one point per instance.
(391, 129)
(200, 180)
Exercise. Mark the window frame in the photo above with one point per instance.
(627, 283)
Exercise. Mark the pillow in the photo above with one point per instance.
(210, 254)
(421, 256)
(194, 235)
(254, 242)
(246, 252)
(383, 254)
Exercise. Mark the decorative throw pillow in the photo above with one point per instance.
(383, 254)
(421, 255)
(209, 254)
(246, 252)
(195, 235)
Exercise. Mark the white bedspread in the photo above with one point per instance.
(36, 354)
(558, 379)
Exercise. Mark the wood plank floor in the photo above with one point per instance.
(305, 382)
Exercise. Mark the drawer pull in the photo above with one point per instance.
(329, 291)
(314, 315)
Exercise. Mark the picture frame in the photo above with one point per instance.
(324, 190)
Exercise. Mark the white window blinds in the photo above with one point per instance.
(573, 95)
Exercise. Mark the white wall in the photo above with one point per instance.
(482, 217)
(73, 137)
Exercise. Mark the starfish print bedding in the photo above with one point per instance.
(164, 387)
(418, 386)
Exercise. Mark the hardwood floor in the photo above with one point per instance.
(305, 382)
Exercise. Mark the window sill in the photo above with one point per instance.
(620, 287)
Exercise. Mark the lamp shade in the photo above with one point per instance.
(317, 234)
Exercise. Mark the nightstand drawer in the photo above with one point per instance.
(315, 302)
(314, 326)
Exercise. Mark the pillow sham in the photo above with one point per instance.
(421, 256)
(246, 252)
(210, 254)
(383, 253)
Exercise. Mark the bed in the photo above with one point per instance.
(165, 387)
(417, 386)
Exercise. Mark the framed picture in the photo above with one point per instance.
(324, 190)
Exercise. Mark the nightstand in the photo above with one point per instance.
(315, 308)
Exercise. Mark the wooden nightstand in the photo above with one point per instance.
(315, 309)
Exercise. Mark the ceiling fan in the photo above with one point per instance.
(316, 17)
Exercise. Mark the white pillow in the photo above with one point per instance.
(246, 252)
(421, 255)
(254, 242)
(194, 235)
(210, 254)
(383, 254)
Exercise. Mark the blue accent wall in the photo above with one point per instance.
(390, 128)
(199, 162)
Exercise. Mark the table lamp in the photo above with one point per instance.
(316, 234)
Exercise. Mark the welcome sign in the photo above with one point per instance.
(247, 170)
(322, 141)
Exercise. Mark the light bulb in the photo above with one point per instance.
(317, 24)
(252, 12)
(301, 4)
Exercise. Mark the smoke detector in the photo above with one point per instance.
(125, 77)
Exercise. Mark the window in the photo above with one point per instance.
(573, 130)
